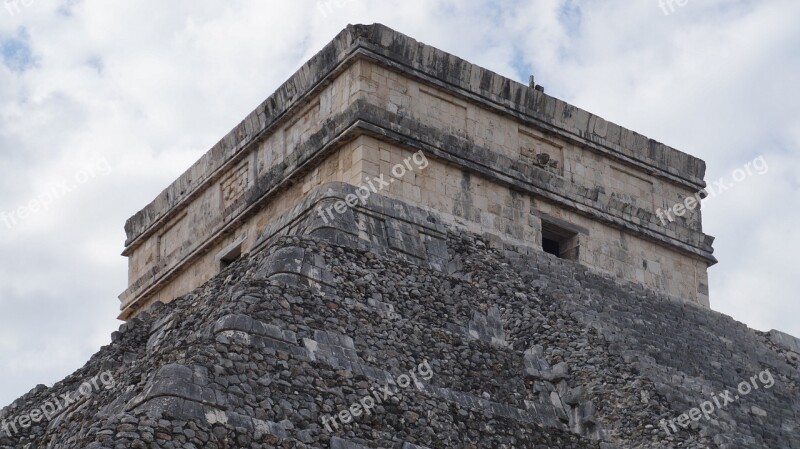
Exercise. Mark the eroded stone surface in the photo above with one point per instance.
(564, 357)
(500, 158)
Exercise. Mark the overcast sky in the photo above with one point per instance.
(103, 103)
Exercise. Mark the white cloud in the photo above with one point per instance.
(150, 86)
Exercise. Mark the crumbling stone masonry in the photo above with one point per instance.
(528, 350)
(523, 265)
(505, 159)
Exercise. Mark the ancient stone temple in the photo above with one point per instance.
(399, 249)
(502, 158)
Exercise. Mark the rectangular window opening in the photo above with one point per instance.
(560, 242)
(230, 255)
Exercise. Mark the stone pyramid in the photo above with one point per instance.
(523, 292)
(438, 338)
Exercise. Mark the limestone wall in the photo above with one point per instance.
(503, 157)
(518, 141)
(482, 205)
(207, 210)
(193, 264)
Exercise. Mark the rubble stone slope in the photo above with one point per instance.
(525, 351)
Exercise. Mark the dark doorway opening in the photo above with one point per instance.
(550, 246)
(560, 242)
